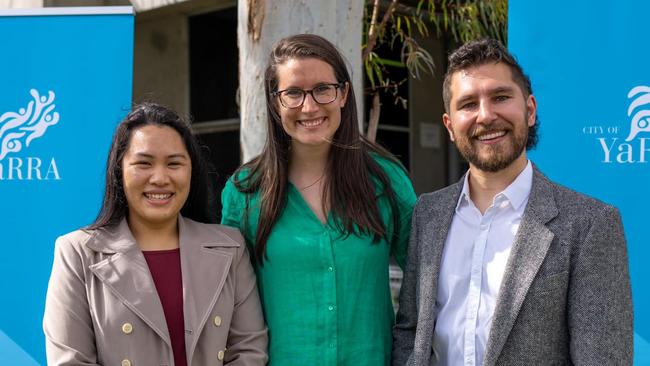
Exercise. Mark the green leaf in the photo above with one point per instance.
(418, 9)
(371, 77)
(392, 63)
(378, 73)
(445, 15)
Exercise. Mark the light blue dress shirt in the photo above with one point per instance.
(474, 260)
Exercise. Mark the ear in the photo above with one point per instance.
(531, 109)
(344, 94)
(447, 122)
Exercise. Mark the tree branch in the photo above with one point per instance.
(373, 30)
(373, 119)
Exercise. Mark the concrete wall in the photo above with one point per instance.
(144, 5)
(160, 60)
(14, 4)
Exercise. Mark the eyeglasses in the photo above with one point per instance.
(321, 94)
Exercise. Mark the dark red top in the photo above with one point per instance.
(165, 268)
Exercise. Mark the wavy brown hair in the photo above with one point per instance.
(350, 169)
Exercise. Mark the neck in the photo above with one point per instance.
(307, 164)
(483, 186)
(155, 236)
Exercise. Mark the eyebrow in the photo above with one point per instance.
(315, 85)
(502, 89)
(464, 99)
(497, 90)
(172, 156)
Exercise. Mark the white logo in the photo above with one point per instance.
(27, 124)
(615, 147)
(641, 119)
(20, 129)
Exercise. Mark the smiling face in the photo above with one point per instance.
(156, 175)
(312, 124)
(489, 117)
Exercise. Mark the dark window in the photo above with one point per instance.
(214, 58)
(224, 154)
(213, 65)
(397, 142)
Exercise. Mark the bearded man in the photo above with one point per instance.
(506, 267)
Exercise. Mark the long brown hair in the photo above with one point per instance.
(350, 169)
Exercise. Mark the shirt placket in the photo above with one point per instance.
(330, 298)
(474, 294)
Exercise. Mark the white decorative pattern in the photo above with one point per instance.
(641, 118)
(19, 129)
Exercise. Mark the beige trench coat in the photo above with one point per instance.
(102, 307)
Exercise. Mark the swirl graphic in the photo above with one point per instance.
(18, 129)
(641, 103)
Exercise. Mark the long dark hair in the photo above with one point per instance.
(350, 169)
(200, 204)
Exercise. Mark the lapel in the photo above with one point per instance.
(205, 263)
(438, 222)
(206, 257)
(127, 275)
(529, 249)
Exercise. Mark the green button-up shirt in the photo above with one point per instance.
(326, 297)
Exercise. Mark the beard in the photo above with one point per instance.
(496, 157)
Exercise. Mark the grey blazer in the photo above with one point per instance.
(102, 307)
(565, 297)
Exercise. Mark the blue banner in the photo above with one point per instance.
(65, 83)
(588, 62)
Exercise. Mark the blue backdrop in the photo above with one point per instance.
(588, 61)
(65, 83)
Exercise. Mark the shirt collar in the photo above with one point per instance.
(516, 193)
(519, 190)
(464, 199)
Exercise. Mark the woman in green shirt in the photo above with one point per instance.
(322, 209)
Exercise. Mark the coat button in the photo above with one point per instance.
(126, 363)
(127, 328)
(220, 355)
(217, 321)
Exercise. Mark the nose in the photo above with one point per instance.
(486, 113)
(309, 104)
(159, 176)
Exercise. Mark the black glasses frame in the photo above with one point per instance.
(336, 86)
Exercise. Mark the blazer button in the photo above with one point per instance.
(217, 321)
(127, 328)
(220, 355)
(126, 363)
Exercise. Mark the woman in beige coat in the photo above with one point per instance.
(144, 285)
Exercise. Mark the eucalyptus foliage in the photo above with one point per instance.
(397, 23)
